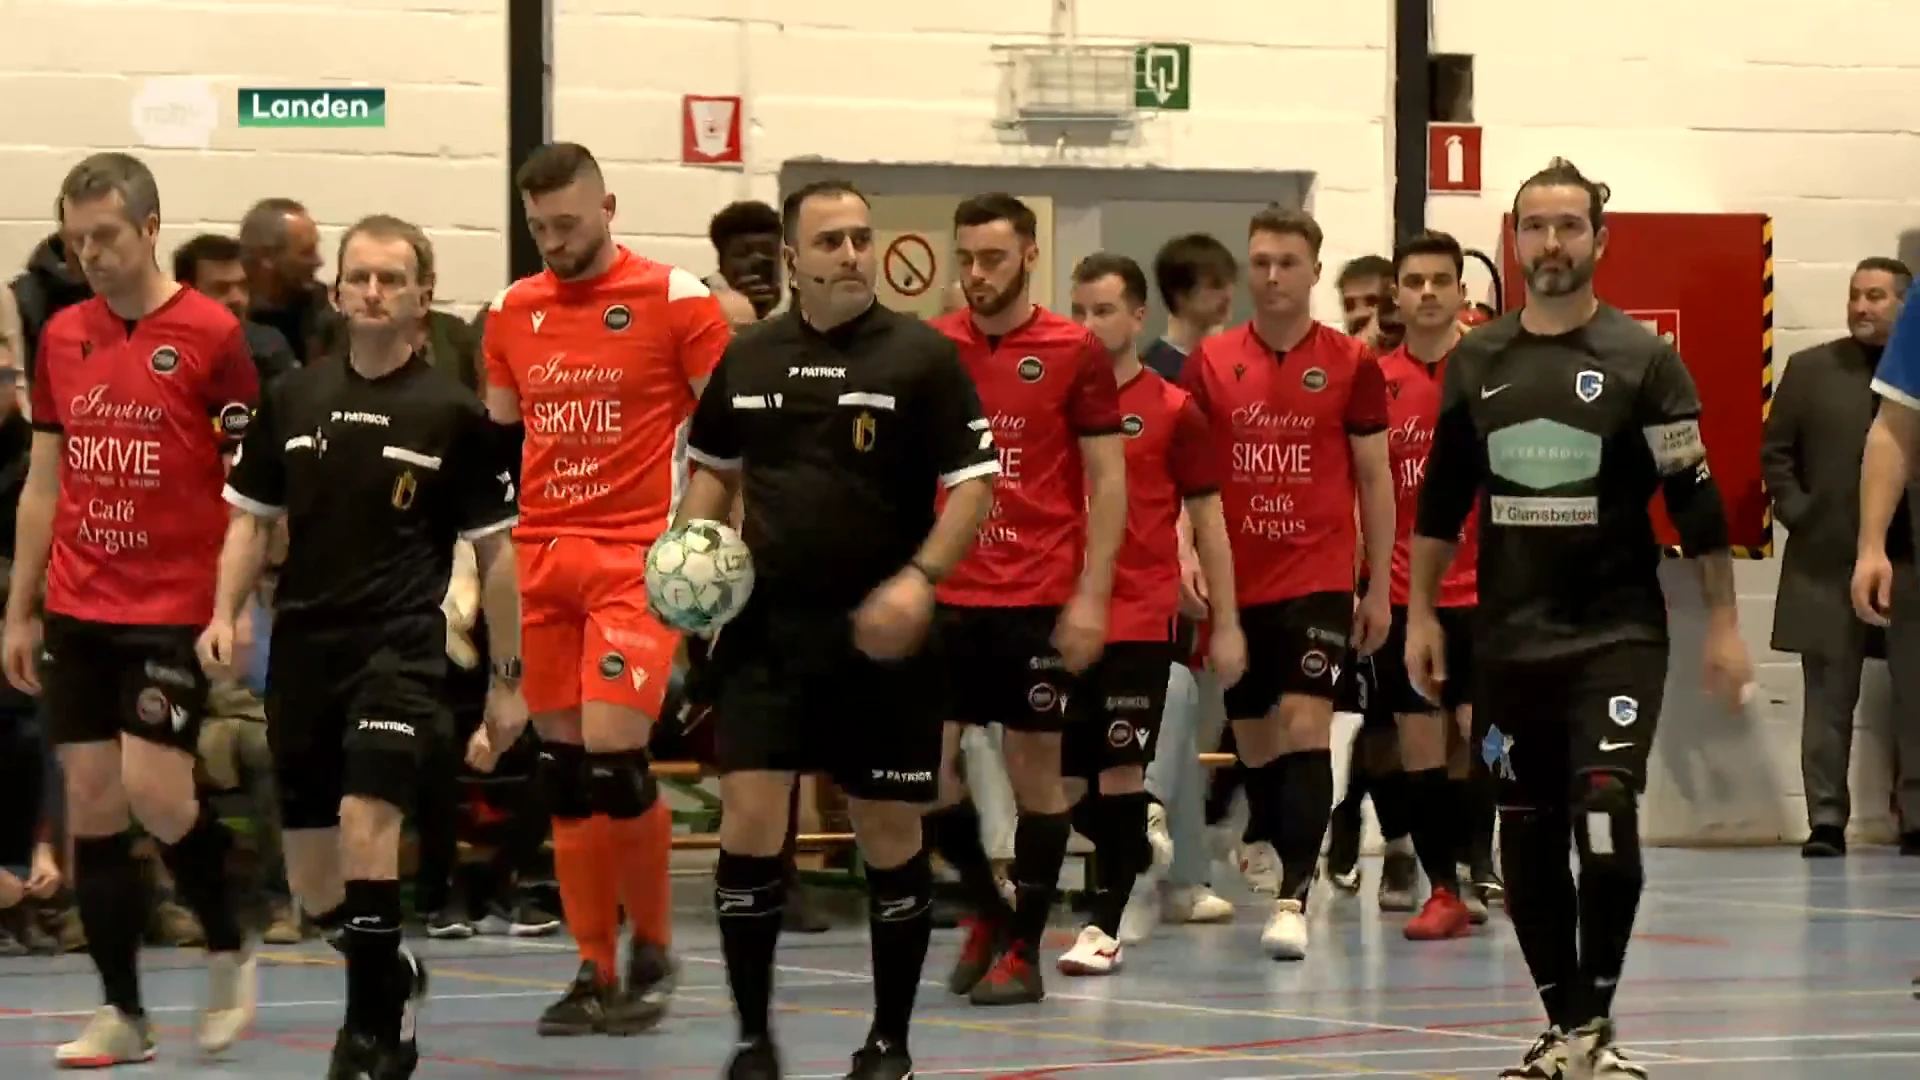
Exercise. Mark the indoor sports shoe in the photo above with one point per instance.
(1145, 908)
(1443, 918)
(110, 1038)
(1546, 1059)
(977, 953)
(1260, 866)
(233, 994)
(582, 1010)
(754, 1059)
(1591, 1055)
(881, 1059)
(1472, 897)
(1399, 874)
(1013, 980)
(1093, 954)
(1285, 937)
(643, 1002)
(1195, 904)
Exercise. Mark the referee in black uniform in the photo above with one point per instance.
(1562, 420)
(379, 463)
(838, 421)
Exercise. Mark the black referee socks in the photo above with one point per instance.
(111, 894)
(371, 941)
(1534, 846)
(749, 892)
(900, 919)
(199, 865)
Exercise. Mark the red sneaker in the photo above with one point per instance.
(1444, 917)
(976, 954)
(1014, 980)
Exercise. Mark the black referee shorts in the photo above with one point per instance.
(791, 694)
(104, 680)
(1544, 727)
(353, 709)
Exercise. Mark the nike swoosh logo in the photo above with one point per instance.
(1608, 746)
(1488, 391)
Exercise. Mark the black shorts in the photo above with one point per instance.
(1296, 646)
(1390, 664)
(1359, 692)
(792, 694)
(104, 680)
(1544, 726)
(353, 710)
(1115, 713)
(1002, 668)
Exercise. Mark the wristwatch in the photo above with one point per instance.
(507, 670)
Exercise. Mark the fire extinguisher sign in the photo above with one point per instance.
(1453, 159)
(1662, 323)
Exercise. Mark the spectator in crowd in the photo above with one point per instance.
(1816, 437)
(51, 281)
(281, 244)
(1194, 275)
(216, 266)
(746, 240)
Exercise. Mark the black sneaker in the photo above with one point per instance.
(1824, 842)
(755, 1059)
(881, 1059)
(643, 1002)
(448, 924)
(404, 1057)
(361, 1057)
(582, 1010)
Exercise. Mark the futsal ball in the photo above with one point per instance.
(699, 576)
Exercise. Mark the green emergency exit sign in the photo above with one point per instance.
(1162, 72)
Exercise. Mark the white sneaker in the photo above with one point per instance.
(1260, 866)
(1545, 1060)
(1093, 954)
(1470, 896)
(1196, 904)
(1160, 840)
(110, 1038)
(1591, 1055)
(233, 995)
(1285, 937)
(1143, 913)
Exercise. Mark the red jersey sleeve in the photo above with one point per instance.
(699, 327)
(1367, 400)
(232, 387)
(40, 402)
(493, 356)
(1093, 403)
(1191, 459)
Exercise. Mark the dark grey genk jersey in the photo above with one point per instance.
(1565, 440)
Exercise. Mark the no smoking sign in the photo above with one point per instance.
(909, 265)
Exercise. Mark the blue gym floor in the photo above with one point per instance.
(1748, 964)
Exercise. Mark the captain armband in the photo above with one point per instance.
(1692, 498)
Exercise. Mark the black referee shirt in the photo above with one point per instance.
(1556, 436)
(377, 478)
(843, 440)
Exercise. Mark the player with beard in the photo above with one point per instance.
(1299, 413)
(137, 395)
(600, 358)
(1428, 295)
(1171, 469)
(1561, 421)
(1026, 612)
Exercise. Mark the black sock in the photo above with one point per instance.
(1307, 801)
(900, 918)
(1392, 804)
(955, 836)
(1435, 814)
(199, 865)
(1460, 798)
(1120, 855)
(749, 892)
(1221, 786)
(371, 941)
(1039, 850)
(1611, 879)
(1544, 908)
(1343, 828)
(1265, 802)
(1483, 810)
(111, 894)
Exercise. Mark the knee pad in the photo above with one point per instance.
(1607, 820)
(621, 784)
(562, 776)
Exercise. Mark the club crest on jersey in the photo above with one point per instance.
(1030, 369)
(616, 318)
(1588, 384)
(164, 360)
(405, 488)
(1623, 710)
(233, 419)
(1131, 425)
(1314, 664)
(863, 431)
(612, 665)
(1043, 698)
(1314, 380)
(1119, 734)
(151, 705)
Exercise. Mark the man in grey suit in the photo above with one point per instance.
(1815, 439)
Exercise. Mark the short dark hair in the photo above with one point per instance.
(113, 173)
(1902, 274)
(388, 227)
(745, 218)
(553, 166)
(1101, 264)
(1281, 222)
(263, 230)
(997, 206)
(1364, 268)
(205, 248)
(1430, 242)
(1563, 173)
(790, 206)
(1186, 263)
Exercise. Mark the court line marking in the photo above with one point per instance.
(1772, 905)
